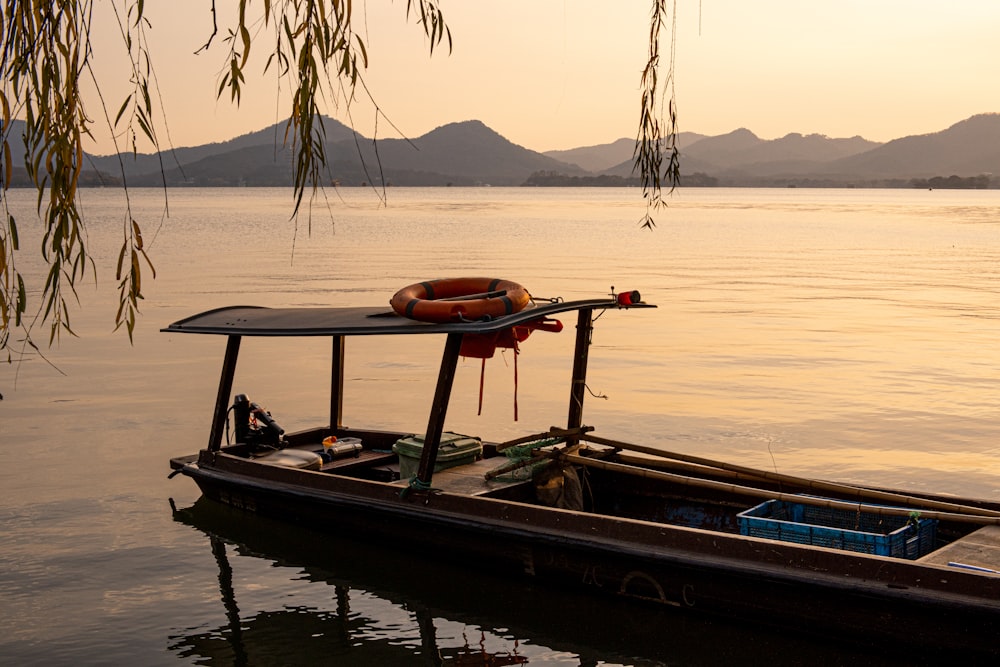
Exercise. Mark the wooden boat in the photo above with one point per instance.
(590, 511)
(436, 592)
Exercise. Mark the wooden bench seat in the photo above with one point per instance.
(365, 459)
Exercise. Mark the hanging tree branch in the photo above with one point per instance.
(657, 134)
(315, 42)
(46, 53)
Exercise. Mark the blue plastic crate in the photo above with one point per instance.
(851, 530)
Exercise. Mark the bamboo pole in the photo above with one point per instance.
(553, 432)
(726, 487)
(540, 454)
(860, 494)
(661, 463)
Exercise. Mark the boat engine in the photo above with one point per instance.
(254, 424)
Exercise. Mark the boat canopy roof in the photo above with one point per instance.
(360, 321)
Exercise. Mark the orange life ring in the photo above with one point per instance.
(457, 299)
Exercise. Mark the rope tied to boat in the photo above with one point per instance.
(417, 485)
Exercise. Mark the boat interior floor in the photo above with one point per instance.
(979, 549)
(469, 479)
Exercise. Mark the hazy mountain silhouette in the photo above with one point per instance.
(14, 136)
(741, 156)
(743, 148)
(463, 153)
(605, 157)
(470, 153)
(723, 148)
(271, 137)
(967, 148)
(467, 153)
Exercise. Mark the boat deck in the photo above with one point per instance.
(468, 479)
(978, 550)
(364, 459)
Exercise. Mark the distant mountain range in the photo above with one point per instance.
(470, 153)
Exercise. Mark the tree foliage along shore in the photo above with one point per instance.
(47, 54)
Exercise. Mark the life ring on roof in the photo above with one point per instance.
(458, 299)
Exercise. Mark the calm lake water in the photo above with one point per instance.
(846, 334)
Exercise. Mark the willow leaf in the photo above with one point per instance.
(121, 261)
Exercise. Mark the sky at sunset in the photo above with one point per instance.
(556, 75)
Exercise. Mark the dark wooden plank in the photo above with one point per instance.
(179, 462)
(365, 459)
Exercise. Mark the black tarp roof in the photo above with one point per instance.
(355, 321)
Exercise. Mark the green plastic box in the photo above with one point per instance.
(455, 450)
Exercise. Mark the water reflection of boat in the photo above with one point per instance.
(298, 633)
(520, 617)
(612, 516)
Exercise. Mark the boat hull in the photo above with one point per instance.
(796, 588)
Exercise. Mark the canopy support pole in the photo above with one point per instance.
(439, 408)
(578, 386)
(225, 390)
(337, 384)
